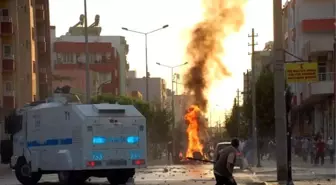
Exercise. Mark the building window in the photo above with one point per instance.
(4, 12)
(67, 58)
(93, 58)
(8, 88)
(7, 50)
(105, 77)
(115, 72)
(116, 91)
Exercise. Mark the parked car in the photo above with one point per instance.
(240, 158)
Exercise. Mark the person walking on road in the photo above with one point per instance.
(305, 150)
(320, 152)
(331, 149)
(224, 164)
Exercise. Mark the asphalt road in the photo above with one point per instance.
(158, 175)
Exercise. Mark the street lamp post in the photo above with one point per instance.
(146, 34)
(87, 62)
(172, 100)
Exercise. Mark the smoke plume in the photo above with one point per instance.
(221, 18)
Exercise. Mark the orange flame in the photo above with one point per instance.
(192, 119)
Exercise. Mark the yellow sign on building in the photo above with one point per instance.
(301, 72)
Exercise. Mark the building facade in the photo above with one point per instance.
(42, 31)
(263, 61)
(309, 28)
(107, 54)
(24, 61)
(157, 89)
(104, 65)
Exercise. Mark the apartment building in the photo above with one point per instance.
(309, 28)
(20, 44)
(107, 56)
(42, 32)
(70, 65)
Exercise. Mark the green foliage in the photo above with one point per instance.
(235, 124)
(264, 105)
(158, 120)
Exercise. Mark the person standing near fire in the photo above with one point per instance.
(224, 164)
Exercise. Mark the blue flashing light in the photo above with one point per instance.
(98, 140)
(132, 139)
(97, 156)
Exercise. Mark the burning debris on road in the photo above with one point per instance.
(204, 51)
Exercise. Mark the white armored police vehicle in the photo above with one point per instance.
(77, 141)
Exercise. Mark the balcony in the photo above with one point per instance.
(6, 26)
(39, 6)
(40, 15)
(41, 44)
(8, 63)
(325, 85)
(43, 78)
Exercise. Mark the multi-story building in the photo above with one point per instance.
(24, 57)
(107, 56)
(104, 65)
(309, 28)
(42, 32)
(156, 86)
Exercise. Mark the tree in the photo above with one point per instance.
(264, 105)
(158, 120)
(234, 124)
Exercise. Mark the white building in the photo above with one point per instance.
(308, 34)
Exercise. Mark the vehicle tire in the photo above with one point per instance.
(71, 178)
(24, 175)
(119, 177)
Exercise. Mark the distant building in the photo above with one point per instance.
(131, 74)
(157, 89)
(263, 61)
(107, 57)
(181, 104)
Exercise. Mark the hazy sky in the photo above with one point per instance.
(168, 46)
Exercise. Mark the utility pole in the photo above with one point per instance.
(335, 83)
(254, 111)
(279, 93)
(87, 57)
(238, 113)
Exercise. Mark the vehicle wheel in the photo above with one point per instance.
(24, 175)
(118, 178)
(71, 178)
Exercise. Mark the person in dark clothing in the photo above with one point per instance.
(224, 164)
(170, 151)
(320, 151)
